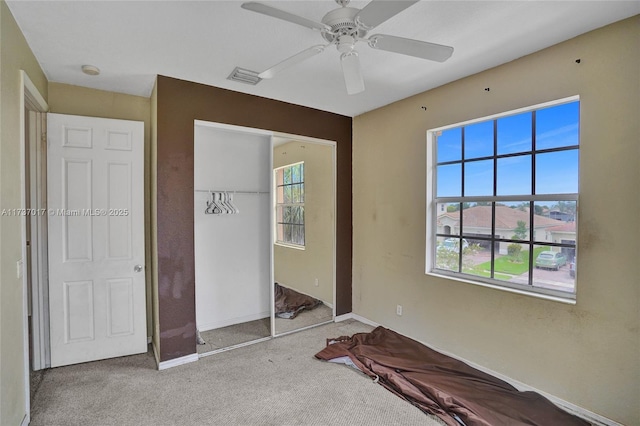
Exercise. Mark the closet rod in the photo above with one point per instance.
(232, 192)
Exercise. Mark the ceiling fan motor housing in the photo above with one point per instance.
(342, 22)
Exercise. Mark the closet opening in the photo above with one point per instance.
(261, 232)
(232, 236)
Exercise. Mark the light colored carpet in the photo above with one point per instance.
(305, 318)
(278, 382)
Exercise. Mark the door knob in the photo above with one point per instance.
(138, 268)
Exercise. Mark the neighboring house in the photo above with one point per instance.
(565, 233)
(477, 222)
(563, 216)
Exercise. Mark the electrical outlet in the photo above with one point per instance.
(399, 310)
(316, 283)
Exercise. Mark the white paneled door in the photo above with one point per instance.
(96, 238)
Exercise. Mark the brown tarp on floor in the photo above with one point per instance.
(444, 386)
(291, 302)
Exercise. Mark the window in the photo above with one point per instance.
(289, 181)
(503, 195)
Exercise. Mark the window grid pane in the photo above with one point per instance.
(478, 140)
(514, 134)
(514, 175)
(548, 178)
(450, 145)
(558, 126)
(478, 178)
(290, 227)
(501, 240)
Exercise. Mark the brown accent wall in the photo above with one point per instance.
(179, 103)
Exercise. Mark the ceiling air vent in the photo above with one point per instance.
(244, 76)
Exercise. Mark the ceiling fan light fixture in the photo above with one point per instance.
(90, 70)
(346, 44)
(244, 76)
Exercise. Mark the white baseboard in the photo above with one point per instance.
(178, 361)
(356, 317)
(583, 413)
(232, 321)
(343, 317)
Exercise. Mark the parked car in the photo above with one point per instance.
(572, 269)
(451, 244)
(550, 260)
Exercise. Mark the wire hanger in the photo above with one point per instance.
(221, 203)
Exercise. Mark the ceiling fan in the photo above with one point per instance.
(346, 26)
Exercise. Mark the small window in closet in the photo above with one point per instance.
(289, 218)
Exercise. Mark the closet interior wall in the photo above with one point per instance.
(232, 251)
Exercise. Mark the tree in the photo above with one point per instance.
(520, 233)
(565, 207)
(539, 210)
(449, 259)
(514, 252)
(455, 207)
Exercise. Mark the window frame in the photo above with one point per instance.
(432, 213)
(276, 205)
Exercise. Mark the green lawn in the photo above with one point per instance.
(505, 265)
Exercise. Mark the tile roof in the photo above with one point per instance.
(565, 227)
(506, 218)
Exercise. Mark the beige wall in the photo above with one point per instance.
(15, 55)
(587, 354)
(295, 268)
(75, 100)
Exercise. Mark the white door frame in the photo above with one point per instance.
(30, 98)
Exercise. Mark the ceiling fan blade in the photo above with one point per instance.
(295, 59)
(352, 72)
(284, 15)
(407, 46)
(378, 11)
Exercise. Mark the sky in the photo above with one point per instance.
(556, 172)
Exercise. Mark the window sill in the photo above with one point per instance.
(566, 300)
(292, 246)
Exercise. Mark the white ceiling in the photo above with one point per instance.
(132, 41)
